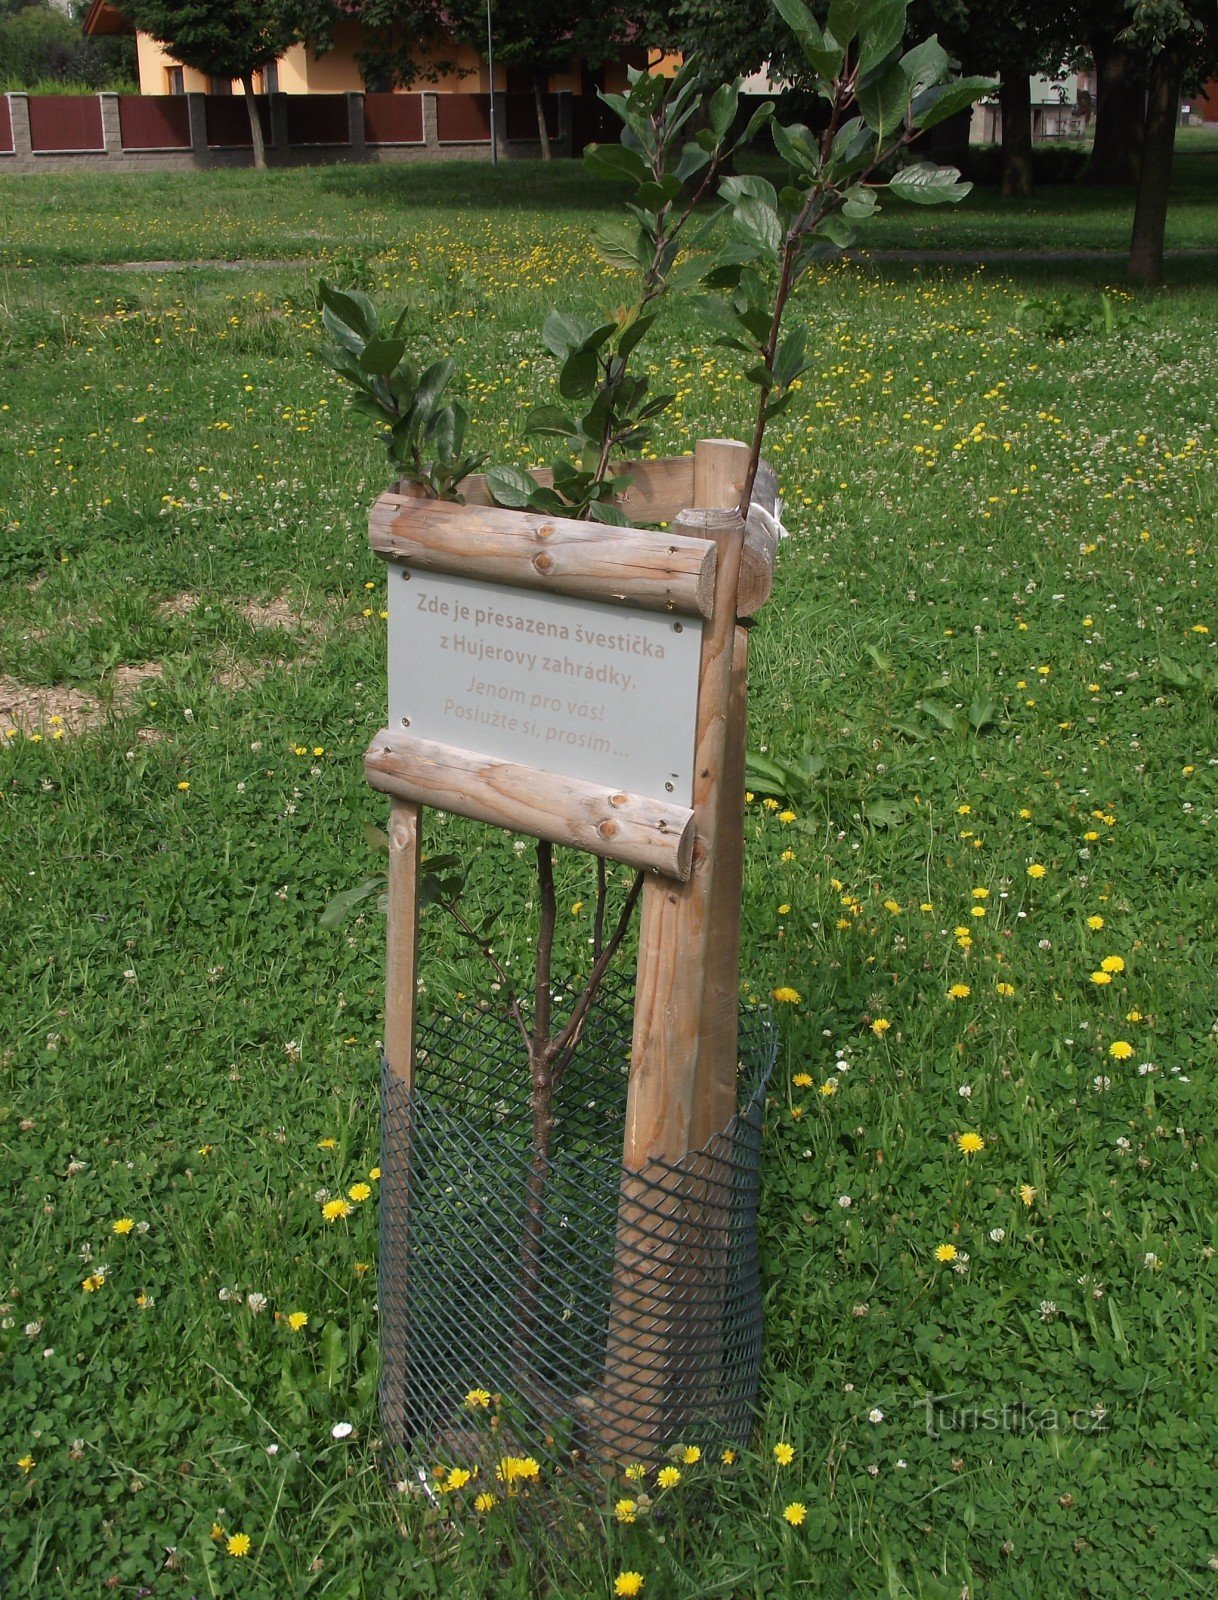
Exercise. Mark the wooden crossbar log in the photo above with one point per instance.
(525, 550)
(651, 835)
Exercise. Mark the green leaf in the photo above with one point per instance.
(561, 333)
(885, 100)
(748, 187)
(693, 159)
(620, 244)
(852, 148)
(376, 838)
(549, 419)
(797, 147)
(616, 161)
(928, 185)
(756, 122)
(577, 379)
(880, 33)
(636, 330)
(606, 511)
(654, 196)
(925, 65)
(339, 906)
(936, 105)
(381, 355)
(836, 229)
(348, 310)
(858, 204)
(722, 111)
(791, 357)
(824, 56)
(433, 384)
(510, 486)
(758, 224)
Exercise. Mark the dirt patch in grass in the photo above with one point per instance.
(277, 613)
(178, 605)
(62, 710)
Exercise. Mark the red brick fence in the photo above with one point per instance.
(133, 132)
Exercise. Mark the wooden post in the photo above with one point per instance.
(660, 1257)
(400, 983)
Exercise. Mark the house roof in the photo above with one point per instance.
(103, 17)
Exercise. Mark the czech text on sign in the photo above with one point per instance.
(604, 693)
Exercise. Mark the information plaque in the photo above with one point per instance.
(604, 693)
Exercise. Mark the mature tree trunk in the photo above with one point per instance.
(1015, 99)
(251, 105)
(543, 133)
(1154, 180)
(1119, 105)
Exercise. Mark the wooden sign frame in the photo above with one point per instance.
(708, 564)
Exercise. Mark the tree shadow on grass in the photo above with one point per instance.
(559, 186)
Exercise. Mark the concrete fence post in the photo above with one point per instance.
(112, 133)
(196, 117)
(355, 125)
(431, 129)
(19, 118)
(279, 124)
(563, 143)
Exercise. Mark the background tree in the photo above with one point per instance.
(1179, 39)
(40, 44)
(233, 40)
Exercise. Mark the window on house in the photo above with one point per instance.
(270, 78)
(177, 80)
(220, 85)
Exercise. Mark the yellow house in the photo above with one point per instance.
(302, 71)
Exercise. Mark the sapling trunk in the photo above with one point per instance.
(251, 106)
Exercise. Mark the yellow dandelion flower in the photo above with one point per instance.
(26, 1463)
(786, 996)
(1112, 964)
(1120, 1049)
(829, 1087)
(787, 855)
(893, 906)
(359, 1192)
(627, 1584)
(636, 1472)
(784, 1453)
(1133, 1016)
(802, 1080)
(457, 1478)
(123, 1225)
(478, 1399)
(981, 894)
(968, 1144)
(786, 816)
(1005, 988)
(946, 1252)
(238, 1544)
(336, 1210)
(770, 804)
(217, 1532)
(1027, 1193)
(668, 1477)
(795, 1513)
(728, 1458)
(626, 1510)
(1036, 870)
(483, 1503)
(327, 1144)
(298, 1320)
(691, 1455)
(959, 991)
(880, 1027)
(1095, 922)
(1101, 978)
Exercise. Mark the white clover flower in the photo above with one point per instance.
(256, 1302)
(998, 1235)
(341, 1430)
(875, 1415)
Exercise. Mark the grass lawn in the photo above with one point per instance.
(987, 685)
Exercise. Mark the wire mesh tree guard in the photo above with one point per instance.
(608, 1289)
